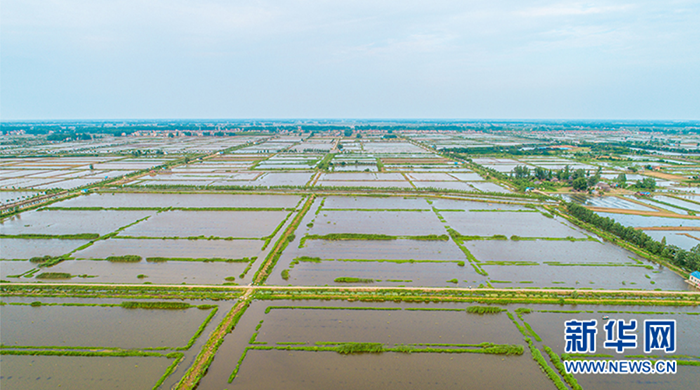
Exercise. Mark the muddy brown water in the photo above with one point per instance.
(388, 370)
(329, 370)
(79, 372)
(550, 326)
(94, 326)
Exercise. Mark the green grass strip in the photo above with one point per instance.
(169, 370)
(79, 236)
(485, 310)
(269, 308)
(537, 356)
(200, 329)
(390, 210)
(348, 279)
(202, 259)
(122, 353)
(562, 370)
(156, 305)
(374, 237)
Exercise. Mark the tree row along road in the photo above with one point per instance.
(361, 288)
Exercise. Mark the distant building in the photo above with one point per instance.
(694, 279)
(601, 186)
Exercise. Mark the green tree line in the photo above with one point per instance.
(689, 260)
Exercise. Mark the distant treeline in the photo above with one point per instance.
(689, 260)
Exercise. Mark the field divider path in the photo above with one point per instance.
(282, 243)
(202, 361)
(426, 290)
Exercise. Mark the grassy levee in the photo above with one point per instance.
(485, 309)
(169, 371)
(54, 275)
(350, 348)
(156, 305)
(457, 238)
(370, 237)
(206, 355)
(348, 279)
(562, 370)
(140, 291)
(484, 295)
(124, 259)
(72, 352)
(274, 255)
(277, 229)
(537, 356)
(161, 209)
(202, 259)
(200, 329)
(79, 236)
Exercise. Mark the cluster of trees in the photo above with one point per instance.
(68, 136)
(689, 260)
(580, 179)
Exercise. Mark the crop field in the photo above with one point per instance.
(402, 259)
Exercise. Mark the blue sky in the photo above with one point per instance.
(501, 59)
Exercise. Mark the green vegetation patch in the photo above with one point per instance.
(346, 279)
(54, 275)
(374, 237)
(353, 348)
(45, 259)
(155, 305)
(80, 236)
(485, 309)
(124, 259)
(202, 259)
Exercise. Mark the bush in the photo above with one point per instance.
(353, 280)
(484, 309)
(54, 275)
(43, 259)
(155, 305)
(124, 259)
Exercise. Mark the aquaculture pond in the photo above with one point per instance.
(548, 322)
(98, 326)
(288, 331)
(236, 224)
(163, 200)
(510, 224)
(84, 342)
(80, 372)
